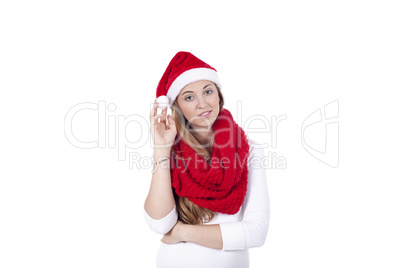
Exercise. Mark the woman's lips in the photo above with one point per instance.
(206, 115)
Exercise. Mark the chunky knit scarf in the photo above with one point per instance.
(219, 184)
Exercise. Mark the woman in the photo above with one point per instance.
(206, 197)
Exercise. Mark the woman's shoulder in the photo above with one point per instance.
(256, 148)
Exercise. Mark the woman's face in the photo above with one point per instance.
(197, 98)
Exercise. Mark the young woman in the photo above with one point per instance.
(208, 195)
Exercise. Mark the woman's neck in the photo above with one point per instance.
(204, 136)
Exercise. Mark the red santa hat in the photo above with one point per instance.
(184, 69)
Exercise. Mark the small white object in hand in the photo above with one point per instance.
(163, 102)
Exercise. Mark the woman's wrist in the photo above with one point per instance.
(185, 232)
(161, 153)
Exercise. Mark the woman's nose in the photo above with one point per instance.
(201, 103)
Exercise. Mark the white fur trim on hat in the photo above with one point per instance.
(190, 76)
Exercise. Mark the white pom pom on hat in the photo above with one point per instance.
(163, 102)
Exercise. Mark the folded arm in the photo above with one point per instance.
(248, 233)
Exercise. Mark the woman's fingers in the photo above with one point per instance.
(155, 116)
(155, 108)
(162, 116)
(163, 119)
(154, 111)
(172, 124)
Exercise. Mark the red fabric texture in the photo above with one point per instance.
(221, 183)
(181, 62)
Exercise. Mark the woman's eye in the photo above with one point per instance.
(189, 98)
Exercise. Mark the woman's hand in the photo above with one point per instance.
(176, 234)
(162, 135)
(207, 235)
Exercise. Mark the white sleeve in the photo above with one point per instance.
(164, 225)
(252, 230)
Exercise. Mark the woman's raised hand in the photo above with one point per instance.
(162, 135)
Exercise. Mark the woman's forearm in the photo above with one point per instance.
(204, 235)
(160, 200)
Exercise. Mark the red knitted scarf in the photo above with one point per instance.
(219, 184)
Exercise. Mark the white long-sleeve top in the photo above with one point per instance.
(246, 229)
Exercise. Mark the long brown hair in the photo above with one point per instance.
(189, 212)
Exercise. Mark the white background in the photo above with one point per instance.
(65, 206)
